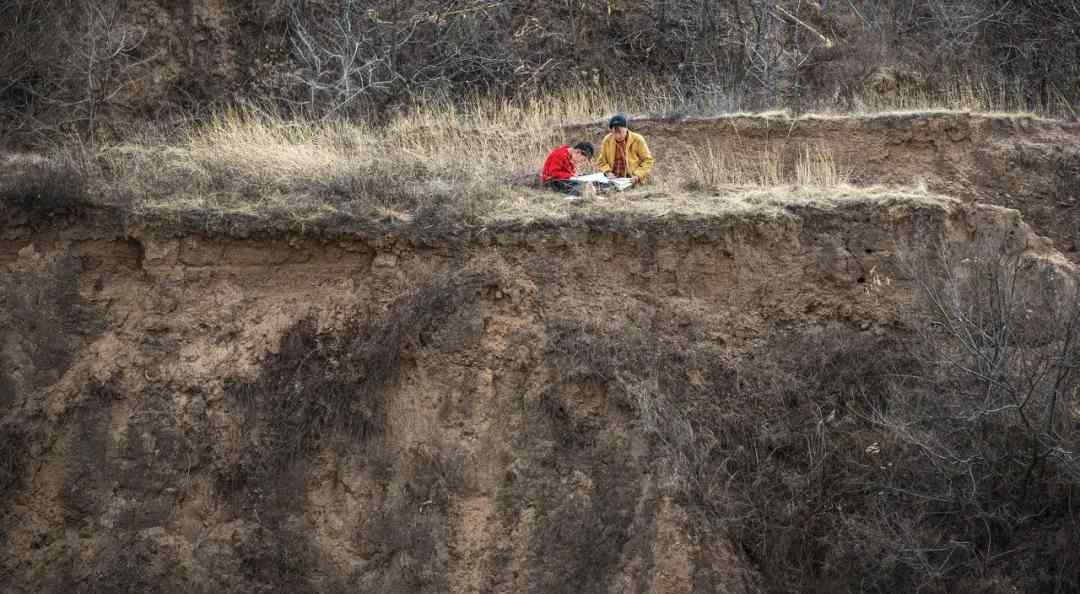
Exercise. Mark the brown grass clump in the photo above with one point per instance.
(808, 167)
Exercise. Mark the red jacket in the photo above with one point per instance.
(558, 165)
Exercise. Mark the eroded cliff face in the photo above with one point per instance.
(208, 414)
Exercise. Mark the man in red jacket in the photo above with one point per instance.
(562, 163)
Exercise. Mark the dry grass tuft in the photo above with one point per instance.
(965, 93)
(816, 168)
(808, 167)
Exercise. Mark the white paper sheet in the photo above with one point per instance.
(596, 178)
(620, 183)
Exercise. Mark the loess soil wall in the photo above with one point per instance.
(497, 414)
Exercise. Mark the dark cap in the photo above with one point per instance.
(585, 147)
(618, 120)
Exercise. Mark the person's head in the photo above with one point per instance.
(618, 126)
(581, 153)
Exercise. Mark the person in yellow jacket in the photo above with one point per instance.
(624, 153)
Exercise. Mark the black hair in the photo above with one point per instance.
(585, 147)
(619, 120)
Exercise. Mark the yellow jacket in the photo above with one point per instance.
(639, 161)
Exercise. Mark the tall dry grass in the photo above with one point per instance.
(436, 160)
(711, 168)
(964, 93)
(463, 156)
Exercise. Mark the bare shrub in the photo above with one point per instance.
(935, 465)
(22, 37)
(1005, 335)
(355, 52)
(64, 64)
(68, 62)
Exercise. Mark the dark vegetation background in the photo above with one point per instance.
(84, 65)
